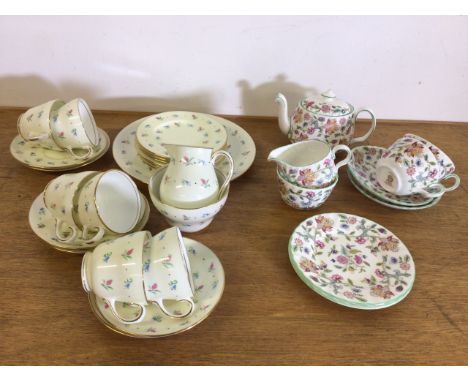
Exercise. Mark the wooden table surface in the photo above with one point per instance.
(267, 315)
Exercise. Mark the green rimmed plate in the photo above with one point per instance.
(376, 199)
(351, 261)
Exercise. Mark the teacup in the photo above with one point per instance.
(113, 271)
(309, 164)
(109, 203)
(167, 275)
(303, 198)
(409, 166)
(60, 197)
(74, 128)
(35, 124)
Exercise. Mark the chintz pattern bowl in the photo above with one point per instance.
(188, 220)
(303, 198)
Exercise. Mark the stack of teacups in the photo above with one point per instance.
(140, 270)
(61, 126)
(90, 204)
(307, 173)
(413, 165)
(189, 192)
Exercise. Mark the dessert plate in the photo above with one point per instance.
(351, 261)
(239, 144)
(208, 277)
(43, 225)
(34, 156)
(362, 167)
(182, 128)
(374, 198)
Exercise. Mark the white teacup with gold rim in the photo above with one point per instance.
(167, 275)
(109, 203)
(35, 124)
(113, 271)
(74, 128)
(60, 197)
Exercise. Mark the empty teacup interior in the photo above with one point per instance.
(118, 201)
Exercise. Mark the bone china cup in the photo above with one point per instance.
(113, 271)
(35, 124)
(309, 164)
(167, 274)
(109, 203)
(60, 196)
(410, 166)
(74, 128)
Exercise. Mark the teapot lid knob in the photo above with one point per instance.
(329, 94)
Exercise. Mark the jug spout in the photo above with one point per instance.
(276, 154)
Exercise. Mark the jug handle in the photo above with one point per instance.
(231, 169)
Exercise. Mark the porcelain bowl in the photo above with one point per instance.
(188, 220)
(303, 198)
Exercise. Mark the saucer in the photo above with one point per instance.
(34, 156)
(43, 225)
(208, 277)
(362, 167)
(239, 144)
(179, 127)
(374, 198)
(351, 261)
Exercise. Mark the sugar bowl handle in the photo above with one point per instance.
(225, 154)
(372, 128)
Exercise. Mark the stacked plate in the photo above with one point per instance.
(177, 127)
(362, 173)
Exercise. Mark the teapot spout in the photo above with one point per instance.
(283, 118)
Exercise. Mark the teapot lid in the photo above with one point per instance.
(327, 104)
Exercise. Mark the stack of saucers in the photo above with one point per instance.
(408, 175)
(307, 173)
(146, 286)
(78, 211)
(177, 127)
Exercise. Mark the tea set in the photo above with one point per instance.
(150, 286)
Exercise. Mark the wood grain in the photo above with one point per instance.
(267, 315)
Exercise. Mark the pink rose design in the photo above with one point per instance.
(360, 240)
(342, 259)
(358, 259)
(319, 244)
(348, 294)
(337, 278)
(411, 171)
(351, 220)
(405, 266)
(379, 273)
(327, 162)
(325, 108)
(298, 242)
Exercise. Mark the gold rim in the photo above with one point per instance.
(72, 166)
(93, 305)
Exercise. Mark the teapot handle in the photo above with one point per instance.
(231, 169)
(372, 128)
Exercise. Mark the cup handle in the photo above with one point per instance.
(372, 128)
(99, 235)
(231, 169)
(348, 155)
(135, 320)
(182, 315)
(66, 239)
(76, 156)
(437, 189)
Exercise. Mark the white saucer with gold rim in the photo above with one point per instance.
(34, 156)
(208, 277)
(42, 223)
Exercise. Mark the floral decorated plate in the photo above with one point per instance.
(383, 202)
(239, 144)
(180, 127)
(32, 155)
(352, 261)
(362, 167)
(208, 277)
(43, 225)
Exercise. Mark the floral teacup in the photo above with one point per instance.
(409, 166)
(167, 275)
(309, 164)
(113, 271)
(304, 198)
